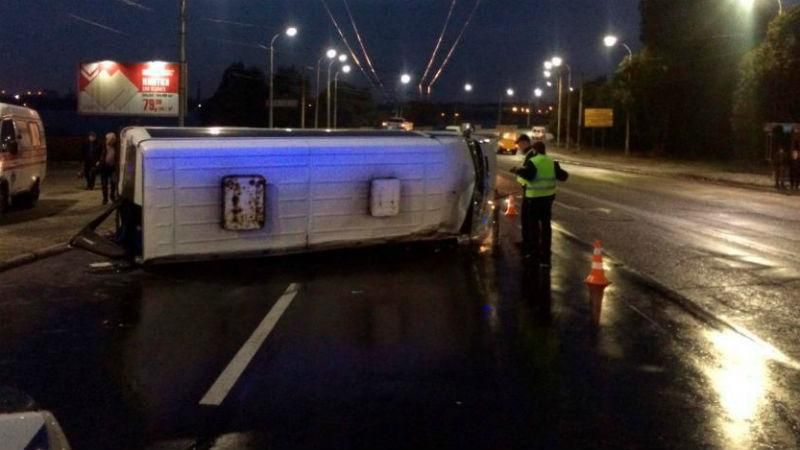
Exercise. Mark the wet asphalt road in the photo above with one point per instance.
(423, 346)
(733, 251)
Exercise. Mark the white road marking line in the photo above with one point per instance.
(219, 390)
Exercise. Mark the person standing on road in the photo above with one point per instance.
(779, 163)
(794, 168)
(108, 165)
(91, 155)
(538, 176)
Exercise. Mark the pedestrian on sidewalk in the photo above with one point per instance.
(794, 167)
(109, 159)
(91, 155)
(780, 162)
(538, 176)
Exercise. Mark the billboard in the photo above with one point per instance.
(130, 89)
(598, 118)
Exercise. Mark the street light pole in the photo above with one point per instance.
(558, 121)
(628, 107)
(611, 41)
(509, 93)
(182, 100)
(404, 80)
(580, 114)
(537, 92)
(291, 32)
(556, 62)
(342, 58)
(345, 69)
(330, 54)
(467, 90)
(272, 77)
(569, 102)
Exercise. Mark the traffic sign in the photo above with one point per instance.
(598, 118)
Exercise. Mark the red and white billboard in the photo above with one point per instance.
(131, 89)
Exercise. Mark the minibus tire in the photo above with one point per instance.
(4, 199)
(35, 193)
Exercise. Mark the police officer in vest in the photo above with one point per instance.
(538, 176)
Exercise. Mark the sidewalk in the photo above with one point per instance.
(64, 208)
(716, 172)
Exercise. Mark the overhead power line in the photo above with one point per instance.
(346, 43)
(438, 45)
(361, 43)
(96, 24)
(455, 45)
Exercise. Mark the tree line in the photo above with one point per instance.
(707, 79)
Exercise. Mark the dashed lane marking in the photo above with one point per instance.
(225, 382)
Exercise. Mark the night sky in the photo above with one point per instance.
(43, 40)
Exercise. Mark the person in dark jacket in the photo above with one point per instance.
(794, 167)
(538, 176)
(91, 154)
(109, 160)
(780, 162)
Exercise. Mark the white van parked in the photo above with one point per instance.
(199, 193)
(23, 155)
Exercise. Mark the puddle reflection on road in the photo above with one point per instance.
(741, 376)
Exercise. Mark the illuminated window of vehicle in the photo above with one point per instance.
(36, 139)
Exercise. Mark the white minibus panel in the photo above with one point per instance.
(201, 193)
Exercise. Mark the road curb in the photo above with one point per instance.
(693, 308)
(36, 255)
(688, 176)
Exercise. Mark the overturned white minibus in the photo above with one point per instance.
(200, 193)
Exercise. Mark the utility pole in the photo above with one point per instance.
(569, 103)
(558, 122)
(580, 113)
(303, 99)
(183, 102)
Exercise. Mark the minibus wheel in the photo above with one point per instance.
(3, 198)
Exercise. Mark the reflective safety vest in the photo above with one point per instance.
(544, 185)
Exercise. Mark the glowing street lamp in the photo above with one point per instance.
(405, 78)
(290, 32)
(557, 61)
(749, 4)
(467, 87)
(510, 92)
(548, 65)
(538, 92)
(610, 41)
(547, 74)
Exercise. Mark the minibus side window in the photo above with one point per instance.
(8, 138)
(36, 140)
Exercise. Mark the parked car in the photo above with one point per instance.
(23, 156)
(397, 123)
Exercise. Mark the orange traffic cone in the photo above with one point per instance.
(511, 210)
(597, 283)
